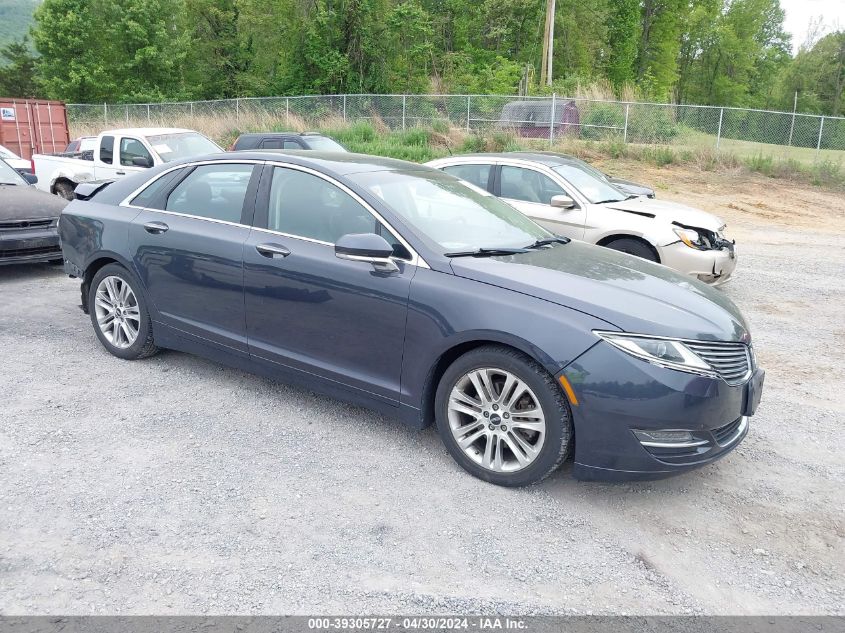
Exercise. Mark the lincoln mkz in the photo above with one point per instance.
(407, 290)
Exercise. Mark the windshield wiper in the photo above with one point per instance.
(558, 239)
(487, 252)
(611, 200)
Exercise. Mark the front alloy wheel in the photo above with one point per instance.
(503, 417)
(496, 419)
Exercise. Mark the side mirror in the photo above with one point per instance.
(366, 247)
(30, 178)
(142, 161)
(562, 202)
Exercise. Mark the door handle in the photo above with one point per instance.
(156, 228)
(272, 250)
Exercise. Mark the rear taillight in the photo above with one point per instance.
(32, 165)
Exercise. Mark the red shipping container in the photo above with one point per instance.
(33, 126)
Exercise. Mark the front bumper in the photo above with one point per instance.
(29, 246)
(618, 394)
(713, 267)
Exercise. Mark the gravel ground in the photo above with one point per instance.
(174, 485)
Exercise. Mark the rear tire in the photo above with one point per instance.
(634, 247)
(119, 313)
(503, 417)
(64, 190)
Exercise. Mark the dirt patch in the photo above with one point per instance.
(746, 201)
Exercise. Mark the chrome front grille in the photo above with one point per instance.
(732, 361)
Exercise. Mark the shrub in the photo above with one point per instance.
(602, 121)
(651, 125)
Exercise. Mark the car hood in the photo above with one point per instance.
(631, 187)
(21, 202)
(667, 211)
(630, 293)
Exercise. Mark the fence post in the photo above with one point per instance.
(403, 113)
(819, 144)
(148, 113)
(105, 113)
(719, 131)
(192, 109)
(625, 132)
(468, 102)
(344, 108)
(287, 111)
(552, 121)
(126, 107)
(237, 109)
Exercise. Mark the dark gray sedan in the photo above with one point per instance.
(28, 220)
(407, 290)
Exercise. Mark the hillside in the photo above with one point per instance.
(15, 19)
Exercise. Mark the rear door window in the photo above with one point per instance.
(292, 144)
(216, 192)
(107, 149)
(153, 196)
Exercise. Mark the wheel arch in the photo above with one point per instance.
(607, 239)
(96, 263)
(458, 348)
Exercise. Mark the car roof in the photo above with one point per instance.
(340, 163)
(290, 133)
(550, 159)
(148, 131)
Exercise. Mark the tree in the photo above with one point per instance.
(17, 74)
(99, 50)
(657, 65)
(623, 35)
(817, 74)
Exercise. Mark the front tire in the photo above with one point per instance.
(119, 313)
(503, 417)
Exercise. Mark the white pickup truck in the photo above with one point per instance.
(118, 153)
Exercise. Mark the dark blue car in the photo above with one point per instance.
(401, 288)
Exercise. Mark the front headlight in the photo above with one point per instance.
(692, 238)
(664, 352)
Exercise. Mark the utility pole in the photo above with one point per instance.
(548, 45)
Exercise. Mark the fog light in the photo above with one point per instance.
(668, 438)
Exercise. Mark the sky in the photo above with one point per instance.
(800, 12)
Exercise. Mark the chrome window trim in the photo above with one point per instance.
(416, 259)
(195, 217)
(126, 202)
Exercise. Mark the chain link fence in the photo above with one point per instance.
(742, 131)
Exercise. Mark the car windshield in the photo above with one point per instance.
(324, 144)
(172, 147)
(594, 188)
(9, 176)
(455, 214)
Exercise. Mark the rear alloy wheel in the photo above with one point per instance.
(633, 247)
(502, 417)
(119, 314)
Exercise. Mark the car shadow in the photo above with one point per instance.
(28, 272)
